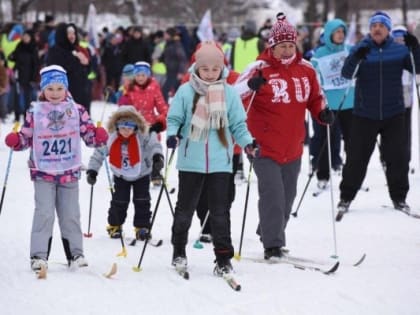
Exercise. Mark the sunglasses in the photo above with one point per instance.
(127, 124)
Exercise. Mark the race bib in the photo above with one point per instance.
(56, 139)
(330, 68)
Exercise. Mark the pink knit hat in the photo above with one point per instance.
(209, 54)
(282, 31)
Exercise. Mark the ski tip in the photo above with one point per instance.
(198, 245)
(294, 214)
(333, 268)
(186, 275)
(339, 216)
(238, 288)
(159, 243)
(172, 191)
(42, 273)
(132, 242)
(112, 272)
(359, 262)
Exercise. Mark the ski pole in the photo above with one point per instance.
(197, 243)
(89, 234)
(9, 163)
(238, 254)
(346, 92)
(331, 192)
(162, 188)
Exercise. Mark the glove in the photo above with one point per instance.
(157, 163)
(12, 140)
(256, 82)
(361, 52)
(411, 41)
(156, 127)
(326, 116)
(172, 142)
(91, 176)
(101, 136)
(252, 150)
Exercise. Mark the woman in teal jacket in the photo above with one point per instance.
(204, 116)
(328, 60)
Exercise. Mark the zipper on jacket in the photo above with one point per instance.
(380, 85)
(186, 147)
(207, 155)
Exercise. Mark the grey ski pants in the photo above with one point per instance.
(277, 191)
(63, 198)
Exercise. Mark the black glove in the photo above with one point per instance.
(252, 150)
(157, 163)
(411, 41)
(256, 82)
(326, 116)
(156, 127)
(91, 176)
(172, 142)
(362, 52)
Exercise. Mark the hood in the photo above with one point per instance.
(61, 36)
(127, 112)
(330, 28)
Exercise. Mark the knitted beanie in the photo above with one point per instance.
(128, 70)
(142, 67)
(209, 54)
(381, 17)
(53, 74)
(282, 31)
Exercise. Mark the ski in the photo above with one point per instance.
(230, 280)
(340, 214)
(410, 213)
(325, 262)
(182, 271)
(41, 273)
(300, 264)
(132, 241)
(319, 191)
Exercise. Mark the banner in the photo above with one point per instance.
(205, 29)
(91, 26)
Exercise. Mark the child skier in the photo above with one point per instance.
(133, 154)
(54, 127)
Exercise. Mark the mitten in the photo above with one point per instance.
(157, 163)
(172, 142)
(362, 52)
(12, 140)
(101, 136)
(411, 41)
(256, 82)
(91, 176)
(156, 127)
(326, 116)
(252, 150)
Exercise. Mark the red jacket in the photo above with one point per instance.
(277, 114)
(148, 100)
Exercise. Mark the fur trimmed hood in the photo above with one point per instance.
(125, 113)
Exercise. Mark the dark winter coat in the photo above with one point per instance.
(61, 54)
(136, 50)
(26, 61)
(379, 91)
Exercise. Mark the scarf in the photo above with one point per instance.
(115, 154)
(210, 111)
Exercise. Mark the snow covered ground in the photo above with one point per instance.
(386, 283)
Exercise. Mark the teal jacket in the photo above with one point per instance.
(199, 156)
(335, 96)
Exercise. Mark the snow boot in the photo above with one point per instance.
(114, 231)
(272, 253)
(223, 266)
(142, 233)
(37, 263)
(179, 258)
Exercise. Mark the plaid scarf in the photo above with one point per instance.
(210, 111)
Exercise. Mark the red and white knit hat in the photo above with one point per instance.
(282, 31)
